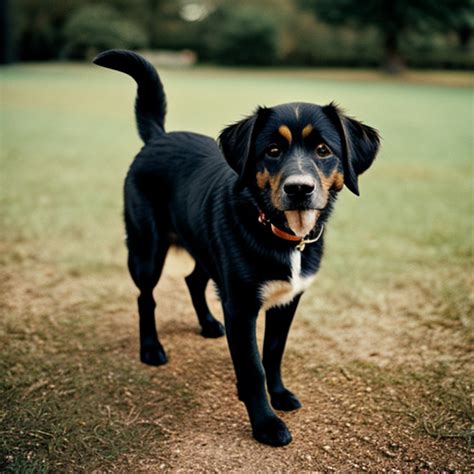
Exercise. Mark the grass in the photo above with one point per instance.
(68, 131)
(438, 403)
(404, 248)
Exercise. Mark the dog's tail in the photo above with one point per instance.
(150, 104)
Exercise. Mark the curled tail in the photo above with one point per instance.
(150, 104)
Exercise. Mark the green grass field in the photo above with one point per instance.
(404, 248)
(69, 136)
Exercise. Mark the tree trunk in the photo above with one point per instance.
(464, 35)
(393, 62)
(7, 49)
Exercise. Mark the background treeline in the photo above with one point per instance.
(392, 33)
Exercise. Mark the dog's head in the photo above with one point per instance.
(296, 157)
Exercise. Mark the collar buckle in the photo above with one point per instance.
(304, 242)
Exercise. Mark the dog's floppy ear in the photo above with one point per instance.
(360, 144)
(237, 140)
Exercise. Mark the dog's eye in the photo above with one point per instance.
(323, 151)
(273, 151)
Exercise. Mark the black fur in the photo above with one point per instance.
(150, 104)
(180, 190)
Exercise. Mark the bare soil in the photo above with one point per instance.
(378, 394)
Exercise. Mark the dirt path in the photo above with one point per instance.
(355, 415)
(382, 391)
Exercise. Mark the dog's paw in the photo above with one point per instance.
(285, 401)
(273, 432)
(212, 329)
(153, 355)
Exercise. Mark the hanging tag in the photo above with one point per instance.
(301, 246)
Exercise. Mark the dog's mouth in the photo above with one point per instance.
(302, 222)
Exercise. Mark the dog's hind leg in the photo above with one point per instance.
(277, 325)
(146, 271)
(197, 283)
(147, 251)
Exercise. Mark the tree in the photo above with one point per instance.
(242, 35)
(39, 25)
(94, 28)
(393, 18)
(7, 50)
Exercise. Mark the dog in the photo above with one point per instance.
(251, 212)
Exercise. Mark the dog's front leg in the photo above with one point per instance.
(241, 335)
(277, 324)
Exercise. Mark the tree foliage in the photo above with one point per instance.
(242, 36)
(394, 18)
(94, 28)
(40, 24)
(424, 33)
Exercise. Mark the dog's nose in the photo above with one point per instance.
(299, 188)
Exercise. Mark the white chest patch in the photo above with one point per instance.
(281, 292)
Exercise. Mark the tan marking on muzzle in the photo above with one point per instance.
(334, 181)
(307, 130)
(262, 178)
(338, 181)
(275, 187)
(285, 132)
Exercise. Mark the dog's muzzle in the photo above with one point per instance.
(299, 202)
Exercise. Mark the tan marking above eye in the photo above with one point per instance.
(307, 130)
(285, 132)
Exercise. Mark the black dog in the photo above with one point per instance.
(253, 224)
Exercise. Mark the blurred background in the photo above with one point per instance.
(387, 33)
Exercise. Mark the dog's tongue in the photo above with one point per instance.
(302, 222)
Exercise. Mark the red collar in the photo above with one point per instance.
(284, 235)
